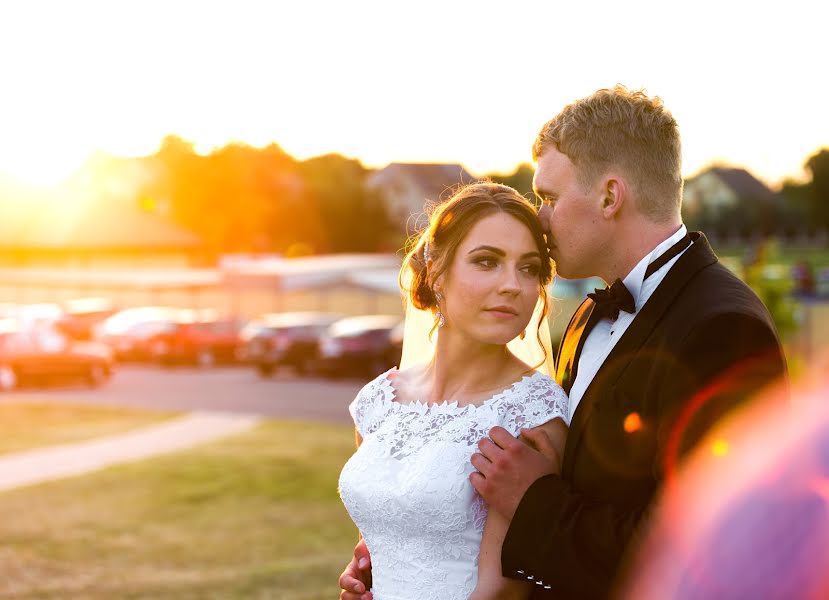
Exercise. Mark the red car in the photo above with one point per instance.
(203, 342)
(42, 355)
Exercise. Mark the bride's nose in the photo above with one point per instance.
(509, 283)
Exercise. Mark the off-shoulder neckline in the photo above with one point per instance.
(419, 405)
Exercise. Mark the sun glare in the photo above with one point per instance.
(369, 90)
(44, 170)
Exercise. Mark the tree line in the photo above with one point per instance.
(239, 198)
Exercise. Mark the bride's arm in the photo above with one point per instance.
(355, 580)
(491, 584)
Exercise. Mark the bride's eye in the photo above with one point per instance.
(485, 262)
(532, 269)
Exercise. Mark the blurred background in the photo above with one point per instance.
(203, 206)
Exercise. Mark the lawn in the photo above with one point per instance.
(252, 516)
(26, 425)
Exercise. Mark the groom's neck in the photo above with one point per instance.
(633, 242)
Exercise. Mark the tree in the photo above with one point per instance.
(795, 207)
(353, 217)
(818, 166)
(521, 179)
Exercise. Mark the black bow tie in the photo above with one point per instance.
(611, 300)
(616, 297)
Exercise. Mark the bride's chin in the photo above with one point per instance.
(501, 338)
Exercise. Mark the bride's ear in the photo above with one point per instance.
(437, 283)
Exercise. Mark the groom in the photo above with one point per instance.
(650, 364)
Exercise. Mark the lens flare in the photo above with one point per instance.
(633, 423)
(719, 447)
(747, 515)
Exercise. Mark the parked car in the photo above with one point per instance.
(82, 316)
(41, 355)
(286, 340)
(364, 346)
(31, 315)
(127, 331)
(195, 340)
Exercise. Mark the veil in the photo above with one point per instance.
(418, 348)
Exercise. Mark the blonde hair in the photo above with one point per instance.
(627, 130)
(450, 222)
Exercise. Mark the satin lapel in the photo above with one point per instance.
(571, 344)
(695, 258)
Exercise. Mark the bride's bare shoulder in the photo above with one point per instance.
(406, 380)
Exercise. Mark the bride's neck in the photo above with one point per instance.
(461, 368)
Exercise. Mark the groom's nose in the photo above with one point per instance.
(544, 215)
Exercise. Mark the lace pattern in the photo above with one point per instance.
(407, 486)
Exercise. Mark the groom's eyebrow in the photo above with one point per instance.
(500, 252)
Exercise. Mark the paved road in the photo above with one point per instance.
(234, 389)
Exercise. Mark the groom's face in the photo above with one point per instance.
(570, 216)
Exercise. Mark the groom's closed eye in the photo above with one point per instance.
(547, 200)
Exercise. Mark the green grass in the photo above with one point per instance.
(782, 255)
(253, 516)
(27, 425)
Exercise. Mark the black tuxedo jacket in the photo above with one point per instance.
(702, 344)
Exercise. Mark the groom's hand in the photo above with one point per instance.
(356, 579)
(507, 467)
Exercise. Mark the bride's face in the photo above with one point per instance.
(491, 288)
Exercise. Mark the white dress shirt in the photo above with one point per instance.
(604, 335)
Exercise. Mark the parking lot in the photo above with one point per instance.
(234, 389)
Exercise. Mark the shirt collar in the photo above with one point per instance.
(633, 281)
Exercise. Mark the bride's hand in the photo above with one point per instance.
(356, 579)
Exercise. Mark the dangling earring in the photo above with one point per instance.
(441, 320)
(523, 334)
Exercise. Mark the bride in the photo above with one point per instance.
(481, 267)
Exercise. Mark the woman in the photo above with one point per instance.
(481, 267)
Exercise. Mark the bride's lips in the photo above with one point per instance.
(504, 312)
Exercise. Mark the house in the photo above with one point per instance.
(407, 188)
(731, 203)
(718, 189)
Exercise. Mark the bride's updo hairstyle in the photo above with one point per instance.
(450, 221)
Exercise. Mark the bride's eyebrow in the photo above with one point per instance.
(500, 252)
(492, 249)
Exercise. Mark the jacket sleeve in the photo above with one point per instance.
(570, 542)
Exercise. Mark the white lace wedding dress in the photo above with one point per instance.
(407, 486)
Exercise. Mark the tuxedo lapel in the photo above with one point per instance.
(697, 257)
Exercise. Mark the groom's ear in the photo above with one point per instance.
(615, 194)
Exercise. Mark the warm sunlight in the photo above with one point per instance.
(117, 78)
(45, 170)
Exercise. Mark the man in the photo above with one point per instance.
(650, 364)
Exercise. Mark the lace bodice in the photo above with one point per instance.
(407, 487)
